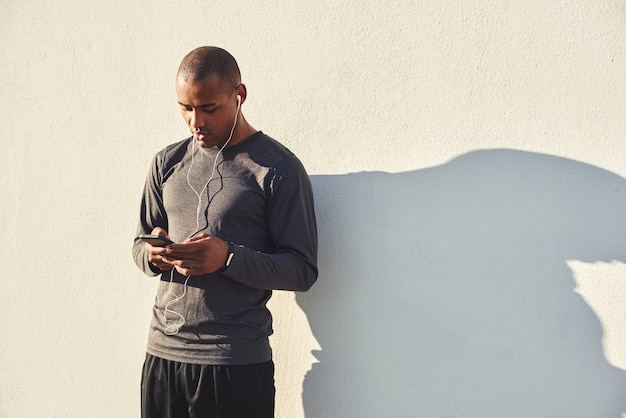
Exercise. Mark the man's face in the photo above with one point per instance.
(208, 107)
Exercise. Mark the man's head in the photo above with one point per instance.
(210, 93)
(210, 60)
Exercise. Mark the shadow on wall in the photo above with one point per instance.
(445, 292)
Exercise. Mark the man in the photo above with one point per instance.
(239, 207)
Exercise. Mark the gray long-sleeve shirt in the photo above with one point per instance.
(259, 197)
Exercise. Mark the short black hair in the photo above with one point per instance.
(208, 60)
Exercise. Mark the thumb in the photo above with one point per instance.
(198, 237)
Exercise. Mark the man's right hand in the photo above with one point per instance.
(155, 253)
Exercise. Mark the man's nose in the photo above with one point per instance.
(196, 121)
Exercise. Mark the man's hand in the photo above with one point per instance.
(201, 254)
(155, 254)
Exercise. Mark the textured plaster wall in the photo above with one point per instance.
(468, 159)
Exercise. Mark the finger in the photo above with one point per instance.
(183, 251)
(158, 263)
(179, 263)
(156, 251)
(159, 231)
(198, 237)
(164, 267)
(184, 271)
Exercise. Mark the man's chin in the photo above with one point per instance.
(204, 140)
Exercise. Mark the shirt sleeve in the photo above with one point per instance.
(292, 224)
(152, 214)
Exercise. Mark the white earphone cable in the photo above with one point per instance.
(173, 329)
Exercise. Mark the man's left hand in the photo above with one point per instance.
(201, 254)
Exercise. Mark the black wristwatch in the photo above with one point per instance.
(229, 256)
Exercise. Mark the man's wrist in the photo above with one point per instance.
(229, 257)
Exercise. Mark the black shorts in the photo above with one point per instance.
(170, 389)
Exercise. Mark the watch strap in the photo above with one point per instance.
(229, 256)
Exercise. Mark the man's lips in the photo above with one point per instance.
(200, 136)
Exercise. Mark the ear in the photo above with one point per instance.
(242, 92)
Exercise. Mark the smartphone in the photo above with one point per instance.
(155, 240)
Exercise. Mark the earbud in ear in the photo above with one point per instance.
(238, 98)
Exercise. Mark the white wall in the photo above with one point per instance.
(469, 170)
